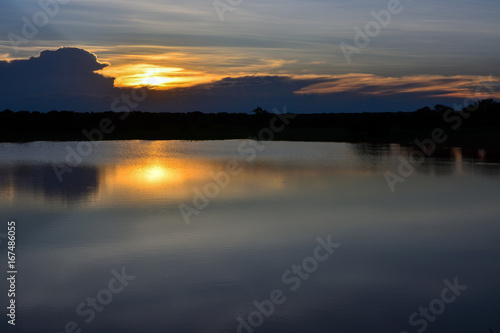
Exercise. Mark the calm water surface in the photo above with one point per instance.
(256, 237)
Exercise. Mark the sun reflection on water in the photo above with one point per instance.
(156, 173)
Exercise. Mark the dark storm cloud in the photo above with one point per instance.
(65, 77)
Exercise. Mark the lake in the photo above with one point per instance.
(245, 236)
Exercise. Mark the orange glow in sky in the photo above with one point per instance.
(148, 75)
(156, 76)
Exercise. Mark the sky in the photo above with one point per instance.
(313, 56)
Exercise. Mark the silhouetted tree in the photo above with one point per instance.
(441, 108)
(260, 111)
(424, 109)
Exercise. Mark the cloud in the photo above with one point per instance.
(460, 86)
(63, 77)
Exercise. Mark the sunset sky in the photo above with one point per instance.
(233, 56)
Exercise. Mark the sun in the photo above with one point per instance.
(140, 75)
(156, 73)
(149, 75)
(153, 80)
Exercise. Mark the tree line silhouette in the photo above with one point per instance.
(479, 125)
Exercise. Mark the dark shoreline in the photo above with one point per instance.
(477, 126)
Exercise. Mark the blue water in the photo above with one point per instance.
(249, 253)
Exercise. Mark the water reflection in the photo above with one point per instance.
(152, 173)
(450, 161)
(164, 171)
(120, 209)
(18, 181)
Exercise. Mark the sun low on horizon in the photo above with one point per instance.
(155, 76)
(162, 68)
(149, 75)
